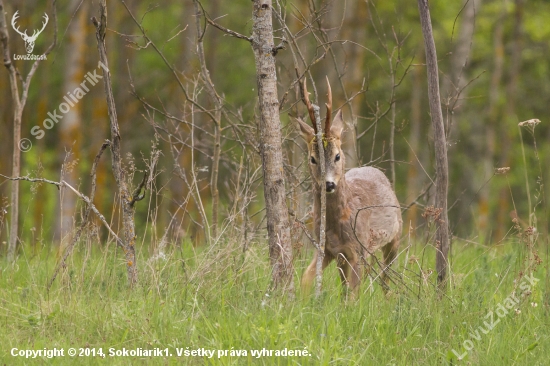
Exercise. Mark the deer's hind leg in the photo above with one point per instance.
(309, 274)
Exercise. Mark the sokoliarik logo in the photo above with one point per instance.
(29, 40)
(70, 100)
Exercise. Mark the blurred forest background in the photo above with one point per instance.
(494, 73)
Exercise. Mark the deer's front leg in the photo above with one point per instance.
(390, 253)
(309, 274)
(349, 273)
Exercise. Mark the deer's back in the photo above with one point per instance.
(379, 212)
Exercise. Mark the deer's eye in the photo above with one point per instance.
(313, 160)
(337, 158)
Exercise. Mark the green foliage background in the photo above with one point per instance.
(230, 61)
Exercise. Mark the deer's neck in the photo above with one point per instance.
(337, 204)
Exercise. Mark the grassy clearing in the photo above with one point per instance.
(215, 299)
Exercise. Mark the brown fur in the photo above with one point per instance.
(350, 206)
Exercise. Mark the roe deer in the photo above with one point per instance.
(362, 211)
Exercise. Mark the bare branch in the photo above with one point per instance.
(76, 237)
(226, 30)
(80, 195)
(138, 196)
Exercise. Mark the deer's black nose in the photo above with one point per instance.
(331, 186)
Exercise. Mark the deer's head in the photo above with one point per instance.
(29, 40)
(334, 155)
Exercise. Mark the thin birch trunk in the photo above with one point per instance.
(453, 85)
(322, 224)
(351, 12)
(493, 116)
(510, 117)
(440, 144)
(194, 187)
(218, 105)
(19, 102)
(16, 153)
(70, 126)
(413, 181)
(278, 228)
(126, 199)
(455, 91)
(392, 125)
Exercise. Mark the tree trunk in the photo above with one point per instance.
(455, 92)
(323, 204)
(280, 248)
(490, 127)
(19, 102)
(126, 199)
(510, 119)
(70, 125)
(440, 144)
(461, 52)
(352, 59)
(15, 172)
(454, 85)
(16, 153)
(414, 182)
(218, 105)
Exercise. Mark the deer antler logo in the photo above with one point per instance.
(29, 40)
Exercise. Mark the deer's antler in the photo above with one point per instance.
(13, 19)
(329, 109)
(44, 23)
(328, 104)
(308, 104)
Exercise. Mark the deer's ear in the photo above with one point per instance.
(337, 125)
(305, 129)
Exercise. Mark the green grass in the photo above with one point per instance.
(214, 298)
